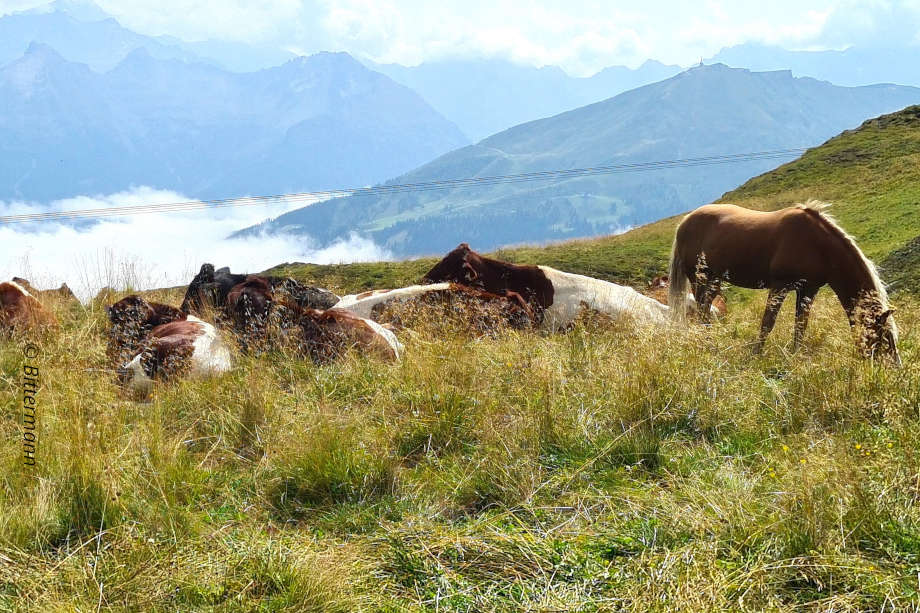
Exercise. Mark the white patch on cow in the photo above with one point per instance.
(210, 355)
(573, 292)
(388, 336)
(363, 307)
(24, 291)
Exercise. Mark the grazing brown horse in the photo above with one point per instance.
(799, 248)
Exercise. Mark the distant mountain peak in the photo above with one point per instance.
(335, 60)
(43, 52)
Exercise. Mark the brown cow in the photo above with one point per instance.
(557, 297)
(63, 293)
(20, 310)
(210, 288)
(325, 335)
(248, 307)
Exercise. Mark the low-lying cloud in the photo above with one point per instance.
(154, 250)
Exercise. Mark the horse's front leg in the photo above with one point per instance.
(804, 297)
(774, 302)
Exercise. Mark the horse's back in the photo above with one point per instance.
(749, 247)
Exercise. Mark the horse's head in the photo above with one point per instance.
(879, 332)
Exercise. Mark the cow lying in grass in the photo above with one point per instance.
(188, 347)
(62, 293)
(556, 297)
(323, 334)
(481, 311)
(211, 289)
(326, 335)
(150, 341)
(20, 310)
(131, 320)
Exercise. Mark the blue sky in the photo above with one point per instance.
(582, 36)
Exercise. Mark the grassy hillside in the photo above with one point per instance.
(871, 174)
(608, 469)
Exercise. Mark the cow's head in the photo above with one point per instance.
(458, 266)
(194, 293)
(132, 310)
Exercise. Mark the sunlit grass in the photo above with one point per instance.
(609, 468)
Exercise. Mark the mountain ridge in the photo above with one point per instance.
(707, 110)
(200, 130)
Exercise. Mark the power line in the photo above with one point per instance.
(304, 197)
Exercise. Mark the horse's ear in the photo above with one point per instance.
(884, 316)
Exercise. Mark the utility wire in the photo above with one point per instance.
(304, 197)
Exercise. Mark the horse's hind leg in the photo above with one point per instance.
(804, 297)
(774, 302)
(704, 293)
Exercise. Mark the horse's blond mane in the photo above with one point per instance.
(820, 209)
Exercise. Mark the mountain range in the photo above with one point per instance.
(82, 32)
(485, 96)
(705, 111)
(312, 123)
(852, 67)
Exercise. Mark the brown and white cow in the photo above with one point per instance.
(20, 310)
(658, 289)
(63, 293)
(326, 335)
(132, 319)
(187, 347)
(559, 296)
(483, 311)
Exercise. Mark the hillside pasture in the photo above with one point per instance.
(609, 468)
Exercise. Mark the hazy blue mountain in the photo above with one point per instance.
(853, 66)
(705, 111)
(238, 57)
(82, 32)
(485, 96)
(312, 123)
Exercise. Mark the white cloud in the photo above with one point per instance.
(582, 36)
(157, 250)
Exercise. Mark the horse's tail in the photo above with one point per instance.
(679, 282)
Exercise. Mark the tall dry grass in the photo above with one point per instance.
(609, 468)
